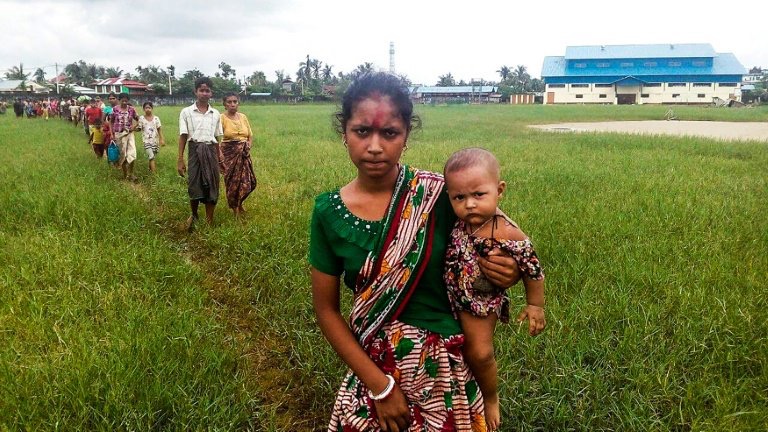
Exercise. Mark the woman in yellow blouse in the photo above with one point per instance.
(239, 178)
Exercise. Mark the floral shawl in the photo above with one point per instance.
(397, 261)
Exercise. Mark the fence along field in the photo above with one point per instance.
(655, 248)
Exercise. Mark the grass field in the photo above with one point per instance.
(113, 318)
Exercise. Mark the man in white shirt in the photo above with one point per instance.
(200, 130)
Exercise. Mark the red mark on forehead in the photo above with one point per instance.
(378, 118)
(382, 112)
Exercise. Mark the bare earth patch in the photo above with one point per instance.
(730, 131)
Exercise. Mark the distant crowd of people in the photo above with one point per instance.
(219, 144)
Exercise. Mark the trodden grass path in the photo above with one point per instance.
(110, 317)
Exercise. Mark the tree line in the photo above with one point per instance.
(313, 78)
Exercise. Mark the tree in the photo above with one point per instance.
(306, 67)
(536, 85)
(186, 84)
(114, 72)
(327, 74)
(152, 74)
(226, 71)
(257, 79)
(17, 73)
(83, 73)
(504, 73)
(521, 79)
(39, 75)
(316, 65)
(223, 86)
(446, 80)
(361, 69)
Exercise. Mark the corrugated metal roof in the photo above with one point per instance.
(9, 85)
(639, 51)
(553, 66)
(722, 64)
(453, 89)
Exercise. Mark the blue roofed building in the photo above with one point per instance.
(640, 74)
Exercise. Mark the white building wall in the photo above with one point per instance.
(663, 94)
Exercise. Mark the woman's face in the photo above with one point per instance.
(231, 104)
(375, 136)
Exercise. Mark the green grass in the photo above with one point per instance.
(655, 248)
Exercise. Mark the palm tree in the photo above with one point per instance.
(327, 73)
(361, 69)
(39, 75)
(113, 72)
(17, 73)
(521, 77)
(306, 66)
(316, 65)
(504, 72)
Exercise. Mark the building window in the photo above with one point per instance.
(580, 65)
(650, 64)
(676, 85)
(702, 95)
(556, 85)
(675, 95)
(643, 95)
(603, 85)
(674, 64)
(699, 63)
(727, 84)
(652, 85)
(603, 96)
(702, 84)
(579, 96)
(603, 65)
(579, 85)
(627, 64)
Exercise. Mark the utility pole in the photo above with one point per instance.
(57, 77)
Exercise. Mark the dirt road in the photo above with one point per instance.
(730, 131)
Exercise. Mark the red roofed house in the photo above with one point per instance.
(120, 85)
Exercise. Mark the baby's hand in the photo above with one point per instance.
(536, 320)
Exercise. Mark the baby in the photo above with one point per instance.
(474, 189)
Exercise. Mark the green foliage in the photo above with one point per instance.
(223, 86)
(17, 73)
(446, 80)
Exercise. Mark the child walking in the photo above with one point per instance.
(474, 189)
(151, 134)
(96, 138)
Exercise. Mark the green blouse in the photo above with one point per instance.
(340, 243)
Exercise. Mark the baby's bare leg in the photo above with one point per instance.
(478, 352)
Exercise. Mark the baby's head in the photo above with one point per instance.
(472, 178)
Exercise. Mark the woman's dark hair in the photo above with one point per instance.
(229, 95)
(123, 96)
(203, 80)
(381, 83)
(147, 103)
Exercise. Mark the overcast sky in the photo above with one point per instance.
(469, 39)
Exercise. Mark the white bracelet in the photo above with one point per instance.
(385, 392)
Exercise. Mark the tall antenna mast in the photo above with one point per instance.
(391, 57)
